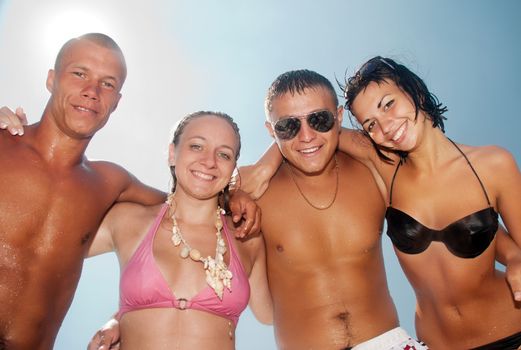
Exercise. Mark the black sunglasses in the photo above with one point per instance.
(366, 69)
(288, 128)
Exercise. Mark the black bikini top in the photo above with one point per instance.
(467, 237)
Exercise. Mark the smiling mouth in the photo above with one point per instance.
(310, 150)
(203, 176)
(398, 134)
(85, 109)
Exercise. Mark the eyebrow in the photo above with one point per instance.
(204, 139)
(379, 105)
(305, 115)
(82, 67)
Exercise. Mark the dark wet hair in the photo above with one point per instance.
(224, 197)
(100, 39)
(296, 81)
(378, 69)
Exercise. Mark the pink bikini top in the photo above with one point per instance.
(142, 285)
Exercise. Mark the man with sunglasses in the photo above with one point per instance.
(322, 217)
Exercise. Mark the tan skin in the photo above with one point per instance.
(207, 146)
(478, 308)
(57, 197)
(445, 315)
(319, 260)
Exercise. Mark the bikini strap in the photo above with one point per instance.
(473, 170)
(228, 238)
(392, 184)
(157, 221)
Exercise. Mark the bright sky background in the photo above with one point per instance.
(187, 55)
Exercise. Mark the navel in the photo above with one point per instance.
(86, 237)
(343, 316)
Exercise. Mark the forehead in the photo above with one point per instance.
(297, 104)
(213, 129)
(92, 56)
(373, 93)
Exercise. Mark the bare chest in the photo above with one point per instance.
(50, 209)
(297, 233)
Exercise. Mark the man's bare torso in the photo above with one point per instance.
(49, 216)
(325, 267)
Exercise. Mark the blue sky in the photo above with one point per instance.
(222, 55)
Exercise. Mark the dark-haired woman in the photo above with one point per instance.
(443, 204)
(443, 199)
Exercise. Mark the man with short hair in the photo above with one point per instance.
(54, 198)
(324, 255)
(322, 217)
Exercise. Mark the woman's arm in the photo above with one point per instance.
(357, 145)
(507, 180)
(260, 297)
(119, 228)
(504, 183)
(103, 239)
(509, 254)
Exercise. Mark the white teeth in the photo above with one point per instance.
(399, 133)
(309, 150)
(203, 175)
(83, 109)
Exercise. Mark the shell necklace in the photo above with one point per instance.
(322, 207)
(218, 275)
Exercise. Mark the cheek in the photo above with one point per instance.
(377, 137)
(225, 167)
(285, 148)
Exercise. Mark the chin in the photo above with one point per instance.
(310, 169)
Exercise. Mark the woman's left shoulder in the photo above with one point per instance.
(492, 157)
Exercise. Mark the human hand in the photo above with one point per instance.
(244, 209)
(513, 276)
(13, 122)
(107, 337)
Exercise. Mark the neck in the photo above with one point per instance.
(328, 171)
(56, 147)
(322, 206)
(192, 210)
(433, 150)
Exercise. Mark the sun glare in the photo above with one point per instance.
(68, 24)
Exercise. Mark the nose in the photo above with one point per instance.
(208, 159)
(91, 91)
(385, 124)
(306, 133)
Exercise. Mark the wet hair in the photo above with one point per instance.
(296, 81)
(100, 39)
(378, 69)
(224, 197)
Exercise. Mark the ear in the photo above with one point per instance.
(268, 126)
(340, 115)
(50, 80)
(171, 155)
